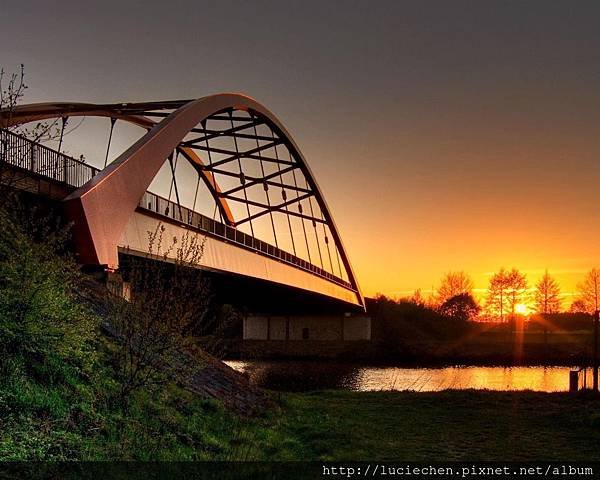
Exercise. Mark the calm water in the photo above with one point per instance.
(312, 375)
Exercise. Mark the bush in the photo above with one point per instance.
(405, 327)
(39, 315)
(168, 303)
(47, 354)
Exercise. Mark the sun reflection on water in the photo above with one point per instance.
(312, 375)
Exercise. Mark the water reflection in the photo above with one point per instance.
(294, 376)
(299, 376)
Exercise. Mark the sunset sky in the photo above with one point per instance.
(459, 135)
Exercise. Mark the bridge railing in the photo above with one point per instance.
(167, 208)
(28, 155)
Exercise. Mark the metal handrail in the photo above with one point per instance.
(26, 154)
(166, 208)
(29, 155)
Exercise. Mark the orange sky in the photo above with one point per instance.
(492, 185)
(448, 136)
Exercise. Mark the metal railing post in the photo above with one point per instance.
(32, 157)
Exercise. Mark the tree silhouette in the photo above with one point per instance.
(453, 284)
(589, 291)
(462, 307)
(506, 290)
(417, 298)
(547, 295)
(578, 306)
(516, 289)
(496, 296)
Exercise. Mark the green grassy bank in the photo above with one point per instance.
(451, 425)
(63, 423)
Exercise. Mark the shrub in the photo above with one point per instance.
(39, 315)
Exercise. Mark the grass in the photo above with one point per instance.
(451, 425)
(70, 418)
(68, 421)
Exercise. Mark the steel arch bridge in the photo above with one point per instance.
(247, 161)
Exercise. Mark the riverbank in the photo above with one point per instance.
(329, 426)
(68, 391)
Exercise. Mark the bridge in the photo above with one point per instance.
(270, 225)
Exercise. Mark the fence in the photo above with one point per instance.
(28, 155)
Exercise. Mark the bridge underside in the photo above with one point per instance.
(229, 256)
(255, 296)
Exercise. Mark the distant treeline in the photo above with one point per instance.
(509, 295)
(408, 330)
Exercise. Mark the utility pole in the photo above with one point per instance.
(595, 353)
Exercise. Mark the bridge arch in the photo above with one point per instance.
(101, 208)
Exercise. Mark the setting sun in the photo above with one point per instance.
(521, 309)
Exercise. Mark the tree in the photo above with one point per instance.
(589, 291)
(547, 295)
(578, 306)
(516, 290)
(41, 319)
(453, 284)
(496, 296)
(507, 289)
(12, 151)
(168, 305)
(12, 91)
(417, 298)
(462, 307)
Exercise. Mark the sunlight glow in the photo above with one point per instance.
(522, 309)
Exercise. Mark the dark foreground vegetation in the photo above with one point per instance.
(66, 393)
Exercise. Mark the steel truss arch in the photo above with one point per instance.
(101, 208)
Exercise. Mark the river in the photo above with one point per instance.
(297, 376)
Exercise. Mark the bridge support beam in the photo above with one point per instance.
(323, 336)
(336, 328)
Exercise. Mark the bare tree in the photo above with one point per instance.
(507, 289)
(516, 290)
(496, 301)
(167, 304)
(453, 284)
(589, 291)
(547, 295)
(12, 91)
(14, 153)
